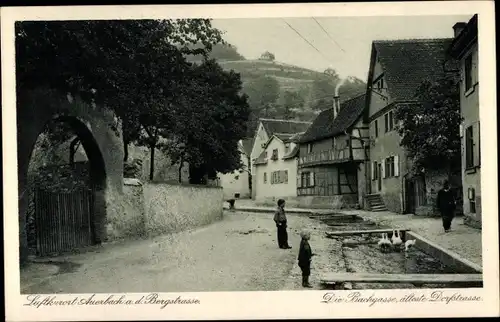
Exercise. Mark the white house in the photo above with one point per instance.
(237, 183)
(276, 168)
(265, 130)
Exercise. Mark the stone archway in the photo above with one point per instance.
(101, 142)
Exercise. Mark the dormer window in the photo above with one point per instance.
(275, 155)
(380, 84)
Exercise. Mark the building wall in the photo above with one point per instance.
(173, 207)
(317, 146)
(267, 190)
(469, 107)
(383, 146)
(261, 138)
(236, 182)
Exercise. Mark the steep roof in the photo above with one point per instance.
(465, 39)
(247, 146)
(273, 126)
(406, 63)
(292, 153)
(324, 126)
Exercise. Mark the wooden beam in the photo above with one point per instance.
(332, 278)
(362, 232)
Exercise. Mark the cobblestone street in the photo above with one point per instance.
(237, 254)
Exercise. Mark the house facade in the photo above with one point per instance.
(237, 184)
(397, 68)
(332, 154)
(265, 130)
(276, 169)
(465, 49)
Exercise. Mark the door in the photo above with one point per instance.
(410, 196)
(379, 177)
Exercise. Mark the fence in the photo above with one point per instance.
(63, 220)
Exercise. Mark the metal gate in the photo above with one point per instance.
(63, 220)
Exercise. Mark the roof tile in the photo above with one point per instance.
(406, 63)
(324, 126)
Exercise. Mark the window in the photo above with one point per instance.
(279, 177)
(469, 147)
(468, 72)
(376, 128)
(265, 177)
(389, 167)
(265, 154)
(275, 154)
(374, 170)
(309, 148)
(307, 179)
(380, 83)
(389, 121)
(287, 147)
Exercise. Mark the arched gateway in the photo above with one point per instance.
(102, 143)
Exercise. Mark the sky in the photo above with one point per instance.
(345, 45)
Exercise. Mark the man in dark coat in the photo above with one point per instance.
(281, 224)
(446, 204)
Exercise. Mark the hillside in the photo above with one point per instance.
(282, 90)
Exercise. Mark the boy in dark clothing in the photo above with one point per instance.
(305, 254)
(280, 220)
(446, 204)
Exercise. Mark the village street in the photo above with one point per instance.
(239, 253)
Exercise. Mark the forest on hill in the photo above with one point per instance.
(283, 91)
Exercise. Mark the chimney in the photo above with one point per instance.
(458, 27)
(336, 106)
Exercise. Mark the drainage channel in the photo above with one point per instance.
(361, 254)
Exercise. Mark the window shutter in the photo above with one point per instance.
(396, 165)
(299, 181)
(373, 166)
(311, 179)
(476, 147)
(383, 167)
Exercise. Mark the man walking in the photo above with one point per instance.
(280, 220)
(446, 205)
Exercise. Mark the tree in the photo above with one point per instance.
(263, 93)
(267, 56)
(430, 128)
(208, 121)
(119, 64)
(292, 101)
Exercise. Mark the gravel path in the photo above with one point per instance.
(239, 253)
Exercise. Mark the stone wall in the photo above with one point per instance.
(172, 208)
(164, 170)
(131, 223)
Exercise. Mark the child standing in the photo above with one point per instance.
(305, 254)
(281, 225)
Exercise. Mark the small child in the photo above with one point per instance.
(305, 254)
